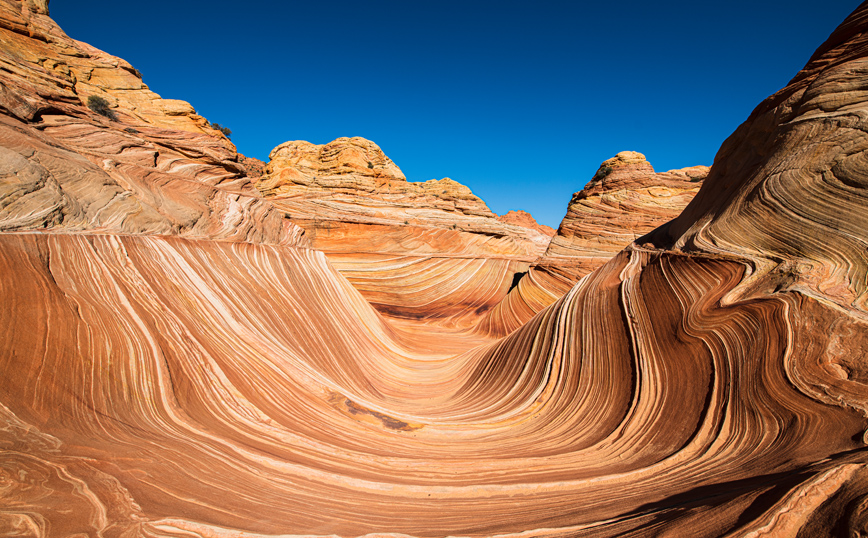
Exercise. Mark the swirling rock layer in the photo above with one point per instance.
(195, 383)
(709, 380)
(800, 157)
(156, 168)
(623, 201)
(430, 250)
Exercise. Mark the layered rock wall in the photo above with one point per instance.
(708, 380)
(428, 251)
(145, 165)
(623, 201)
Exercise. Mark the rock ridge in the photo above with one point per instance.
(624, 200)
(136, 164)
(525, 220)
(404, 245)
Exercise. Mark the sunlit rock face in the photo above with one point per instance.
(525, 219)
(429, 251)
(154, 167)
(623, 201)
(800, 157)
(709, 380)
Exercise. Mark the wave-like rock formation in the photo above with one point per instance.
(430, 251)
(145, 165)
(623, 201)
(709, 380)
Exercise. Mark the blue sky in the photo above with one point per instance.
(520, 101)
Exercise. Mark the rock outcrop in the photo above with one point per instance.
(345, 165)
(430, 251)
(623, 201)
(350, 184)
(133, 164)
(709, 380)
(525, 220)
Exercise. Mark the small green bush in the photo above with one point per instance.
(603, 172)
(225, 130)
(101, 107)
(370, 165)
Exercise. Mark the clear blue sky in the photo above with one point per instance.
(520, 101)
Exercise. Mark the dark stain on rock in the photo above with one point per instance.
(387, 421)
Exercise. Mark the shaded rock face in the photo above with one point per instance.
(142, 165)
(709, 380)
(623, 201)
(254, 167)
(430, 251)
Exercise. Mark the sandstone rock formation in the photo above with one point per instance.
(709, 380)
(339, 190)
(623, 201)
(156, 168)
(429, 251)
(526, 220)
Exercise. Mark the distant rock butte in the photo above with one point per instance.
(300, 163)
(357, 170)
(418, 251)
(525, 220)
(623, 201)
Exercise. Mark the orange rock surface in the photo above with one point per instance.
(428, 251)
(623, 201)
(157, 168)
(195, 381)
(526, 220)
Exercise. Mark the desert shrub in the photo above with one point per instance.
(603, 172)
(225, 130)
(370, 165)
(101, 107)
